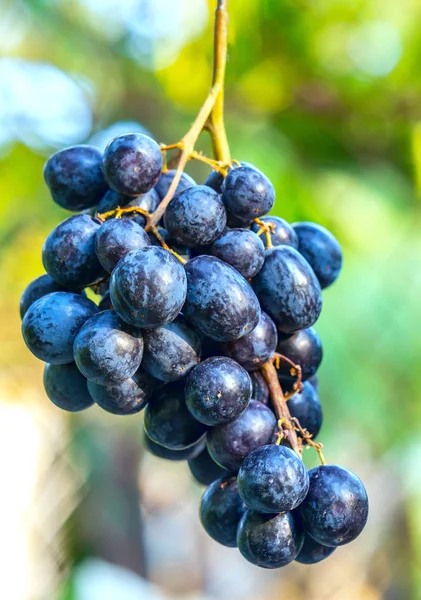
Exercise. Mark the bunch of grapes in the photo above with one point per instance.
(205, 322)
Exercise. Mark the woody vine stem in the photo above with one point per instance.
(211, 118)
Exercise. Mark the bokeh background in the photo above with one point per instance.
(325, 97)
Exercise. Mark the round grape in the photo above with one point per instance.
(305, 406)
(312, 552)
(195, 217)
(288, 290)
(148, 287)
(322, 251)
(69, 253)
(303, 348)
(260, 387)
(126, 398)
(247, 193)
(169, 423)
(51, 324)
(269, 541)
(115, 238)
(132, 164)
(166, 179)
(107, 350)
(74, 177)
(204, 469)
(171, 351)
(217, 391)
(221, 510)
(39, 287)
(272, 479)
(219, 302)
(174, 455)
(242, 249)
(335, 510)
(66, 387)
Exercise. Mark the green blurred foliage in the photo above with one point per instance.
(323, 96)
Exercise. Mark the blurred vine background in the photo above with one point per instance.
(325, 97)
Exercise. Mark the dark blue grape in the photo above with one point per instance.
(165, 181)
(175, 455)
(305, 406)
(314, 380)
(107, 350)
(132, 164)
(74, 177)
(105, 302)
(255, 348)
(195, 217)
(217, 391)
(260, 388)
(269, 541)
(180, 250)
(282, 232)
(221, 510)
(219, 302)
(288, 290)
(303, 348)
(69, 253)
(168, 421)
(51, 324)
(335, 510)
(116, 238)
(171, 351)
(321, 249)
(204, 469)
(272, 479)
(39, 287)
(247, 193)
(229, 444)
(148, 287)
(312, 552)
(66, 387)
(112, 200)
(125, 398)
(242, 249)
(215, 180)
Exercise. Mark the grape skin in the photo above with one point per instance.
(217, 391)
(169, 423)
(115, 238)
(51, 324)
(253, 350)
(322, 251)
(272, 479)
(69, 255)
(231, 443)
(247, 193)
(288, 289)
(219, 302)
(39, 287)
(221, 509)
(171, 351)
(312, 552)
(148, 287)
(66, 387)
(107, 350)
(305, 406)
(132, 164)
(204, 469)
(242, 249)
(127, 398)
(335, 510)
(74, 177)
(195, 216)
(270, 541)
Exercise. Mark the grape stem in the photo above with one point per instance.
(210, 117)
(286, 425)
